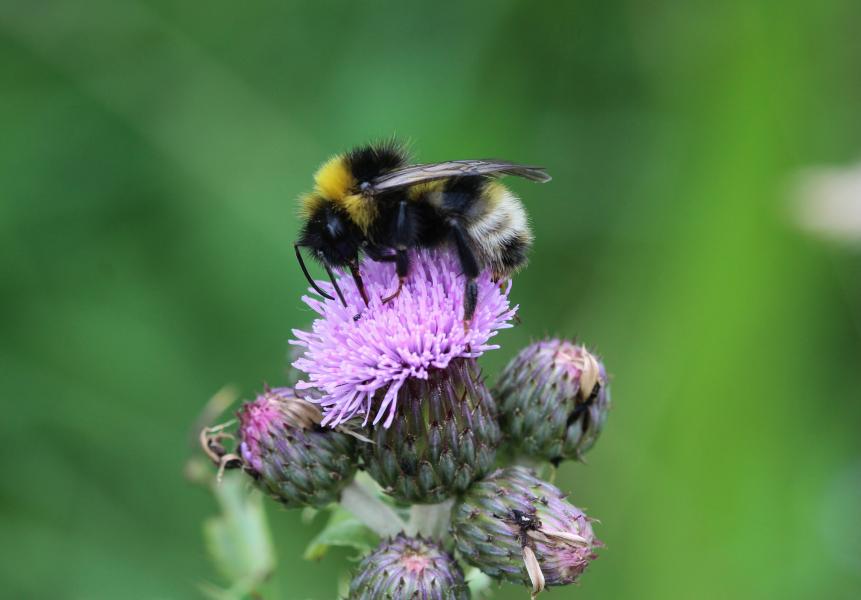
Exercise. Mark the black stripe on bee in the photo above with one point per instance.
(367, 163)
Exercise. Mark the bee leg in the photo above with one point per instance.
(389, 258)
(403, 234)
(357, 277)
(470, 268)
(396, 293)
(402, 267)
(470, 301)
(335, 284)
(378, 256)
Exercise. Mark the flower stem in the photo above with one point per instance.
(524, 460)
(370, 510)
(542, 468)
(430, 520)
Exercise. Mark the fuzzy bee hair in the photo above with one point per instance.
(370, 200)
(342, 179)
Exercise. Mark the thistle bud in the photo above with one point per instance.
(553, 400)
(514, 526)
(443, 436)
(289, 455)
(406, 567)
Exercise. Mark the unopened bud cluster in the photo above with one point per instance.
(395, 390)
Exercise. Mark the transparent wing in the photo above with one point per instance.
(455, 168)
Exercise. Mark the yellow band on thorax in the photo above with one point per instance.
(334, 180)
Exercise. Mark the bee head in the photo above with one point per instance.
(346, 180)
(331, 236)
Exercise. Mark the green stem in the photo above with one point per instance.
(524, 460)
(541, 467)
(430, 520)
(371, 511)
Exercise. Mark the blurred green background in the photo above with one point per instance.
(150, 156)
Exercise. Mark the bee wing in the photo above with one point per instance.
(455, 168)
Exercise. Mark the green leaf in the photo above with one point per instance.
(479, 583)
(344, 530)
(238, 540)
(308, 514)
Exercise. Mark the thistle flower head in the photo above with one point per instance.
(273, 410)
(407, 567)
(350, 360)
(553, 400)
(289, 455)
(514, 526)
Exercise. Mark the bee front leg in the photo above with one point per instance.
(334, 282)
(357, 277)
(403, 234)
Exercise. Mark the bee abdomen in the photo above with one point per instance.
(501, 232)
(513, 255)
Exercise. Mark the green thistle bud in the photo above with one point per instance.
(514, 526)
(443, 436)
(289, 455)
(406, 567)
(553, 400)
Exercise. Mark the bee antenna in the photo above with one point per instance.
(311, 279)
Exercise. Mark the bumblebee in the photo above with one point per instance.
(370, 200)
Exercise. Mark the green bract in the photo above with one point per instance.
(443, 437)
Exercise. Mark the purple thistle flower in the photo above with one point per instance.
(288, 455)
(349, 361)
(409, 567)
